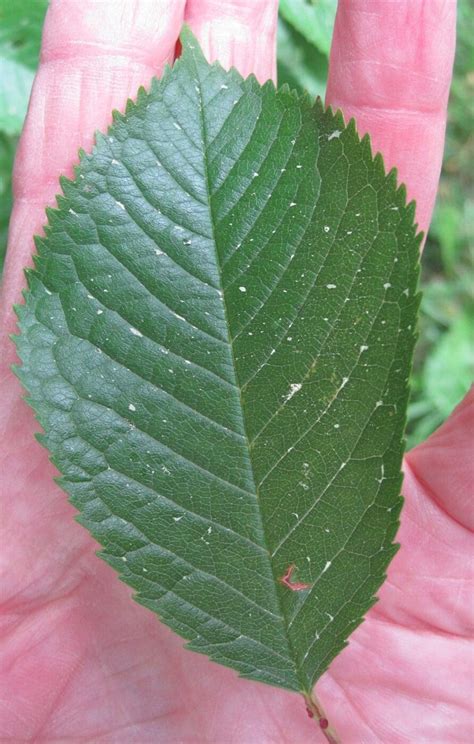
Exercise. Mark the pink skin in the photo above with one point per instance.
(80, 660)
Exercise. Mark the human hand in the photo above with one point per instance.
(81, 660)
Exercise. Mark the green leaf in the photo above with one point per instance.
(449, 369)
(300, 65)
(20, 38)
(7, 154)
(314, 19)
(217, 340)
(446, 228)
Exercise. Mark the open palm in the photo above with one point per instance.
(81, 661)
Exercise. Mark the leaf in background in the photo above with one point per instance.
(7, 153)
(20, 38)
(300, 64)
(449, 369)
(445, 378)
(217, 340)
(314, 19)
(446, 228)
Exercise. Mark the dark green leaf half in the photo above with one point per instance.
(217, 340)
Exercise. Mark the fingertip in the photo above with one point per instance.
(390, 68)
(239, 33)
(142, 31)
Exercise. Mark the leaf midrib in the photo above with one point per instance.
(291, 653)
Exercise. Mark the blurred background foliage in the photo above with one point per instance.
(444, 362)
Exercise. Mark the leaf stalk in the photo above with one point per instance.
(315, 710)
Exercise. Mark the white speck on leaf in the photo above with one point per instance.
(136, 332)
(131, 407)
(294, 388)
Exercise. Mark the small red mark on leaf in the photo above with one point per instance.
(324, 723)
(310, 712)
(295, 586)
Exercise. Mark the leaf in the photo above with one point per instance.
(217, 340)
(445, 378)
(7, 154)
(20, 38)
(446, 227)
(449, 369)
(300, 64)
(314, 19)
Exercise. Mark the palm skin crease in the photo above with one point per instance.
(79, 660)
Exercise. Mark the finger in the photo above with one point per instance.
(444, 466)
(94, 55)
(390, 68)
(239, 33)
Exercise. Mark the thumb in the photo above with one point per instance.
(444, 464)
